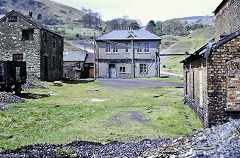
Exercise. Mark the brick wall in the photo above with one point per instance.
(233, 85)
(219, 79)
(228, 19)
(195, 89)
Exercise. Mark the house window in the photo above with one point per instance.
(27, 34)
(139, 47)
(122, 70)
(17, 57)
(115, 48)
(108, 47)
(146, 47)
(126, 47)
(12, 19)
(143, 68)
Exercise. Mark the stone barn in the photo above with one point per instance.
(212, 73)
(24, 39)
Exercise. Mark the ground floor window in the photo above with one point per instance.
(122, 70)
(143, 68)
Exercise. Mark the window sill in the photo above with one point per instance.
(109, 52)
(147, 52)
(122, 73)
(139, 52)
(116, 52)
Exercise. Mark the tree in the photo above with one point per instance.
(158, 28)
(150, 26)
(134, 25)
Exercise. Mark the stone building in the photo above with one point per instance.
(24, 39)
(212, 73)
(127, 54)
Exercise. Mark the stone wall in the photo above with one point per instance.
(12, 41)
(227, 19)
(52, 50)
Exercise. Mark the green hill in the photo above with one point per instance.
(65, 20)
(190, 43)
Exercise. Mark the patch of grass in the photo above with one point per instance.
(69, 47)
(71, 115)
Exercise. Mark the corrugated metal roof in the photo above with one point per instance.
(128, 35)
(74, 56)
(90, 58)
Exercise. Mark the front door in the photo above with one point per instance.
(112, 71)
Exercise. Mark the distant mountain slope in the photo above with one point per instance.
(185, 44)
(53, 14)
(205, 20)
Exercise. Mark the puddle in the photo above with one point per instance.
(98, 100)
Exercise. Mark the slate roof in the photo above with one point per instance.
(79, 56)
(90, 58)
(30, 20)
(128, 35)
(220, 5)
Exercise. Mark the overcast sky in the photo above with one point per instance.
(146, 10)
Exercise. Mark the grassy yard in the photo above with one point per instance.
(93, 112)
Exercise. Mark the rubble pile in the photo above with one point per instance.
(85, 149)
(9, 98)
(28, 86)
(218, 141)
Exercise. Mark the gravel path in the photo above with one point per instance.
(134, 83)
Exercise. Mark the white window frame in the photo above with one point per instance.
(122, 68)
(144, 67)
(126, 48)
(146, 47)
(108, 48)
(139, 48)
(115, 48)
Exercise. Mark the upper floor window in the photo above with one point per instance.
(27, 34)
(115, 48)
(139, 47)
(127, 47)
(17, 57)
(108, 47)
(12, 19)
(146, 47)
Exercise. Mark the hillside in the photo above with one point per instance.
(190, 43)
(59, 17)
(205, 20)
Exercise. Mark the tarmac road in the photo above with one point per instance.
(135, 83)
